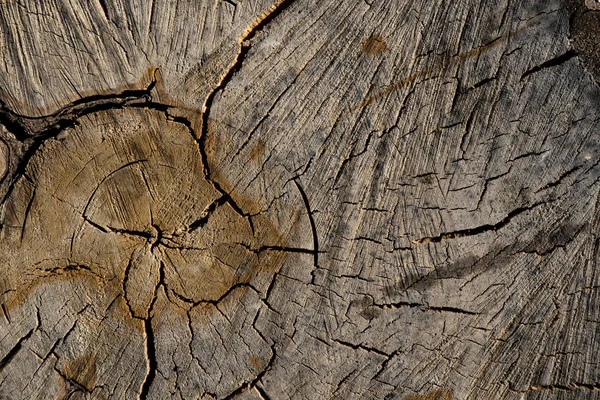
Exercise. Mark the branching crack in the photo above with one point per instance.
(225, 196)
(263, 20)
(256, 380)
(34, 131)
(78, 386)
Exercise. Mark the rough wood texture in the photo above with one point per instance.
(248, 199)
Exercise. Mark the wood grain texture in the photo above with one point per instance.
(248, 199)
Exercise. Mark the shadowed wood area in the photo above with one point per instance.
(299, 199)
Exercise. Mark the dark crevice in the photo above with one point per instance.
(457, 93)
(550, 63)
(284, 249)
(385, 363)
(560, 179)
(152, 105)
(92, 223)
(50, 125)
(226, 197)
(368, 239)
(477, 230)
(268, 294)
(483, 82)
(77, 387)
(344, 382)
(262, 393)
(361, 347)
(142, 234)
(451, 310)
(15, 349)
(149, 335)
(251, 33)
(528, 154)
(313, 228)
(104, 9)
(12, 122)
(158, 238)
(230, 2)
(200, 222)
(129, 232)
(216, 302)
(425, 307)
(588, 386)
(151, 358)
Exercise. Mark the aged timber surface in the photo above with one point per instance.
(299, 199)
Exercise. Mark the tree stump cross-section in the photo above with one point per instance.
(259, 199)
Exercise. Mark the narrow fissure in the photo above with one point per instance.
(151, 357)
(15, 349)
(313, 228)
(477, 230)
(550, 63)
(149, 335)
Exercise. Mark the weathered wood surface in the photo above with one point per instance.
(302, 199)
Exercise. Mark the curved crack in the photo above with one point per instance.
(313, 228)
(34, 131)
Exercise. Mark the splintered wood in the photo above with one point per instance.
(299, 199)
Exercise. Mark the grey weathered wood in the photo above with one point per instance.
(301, 199)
